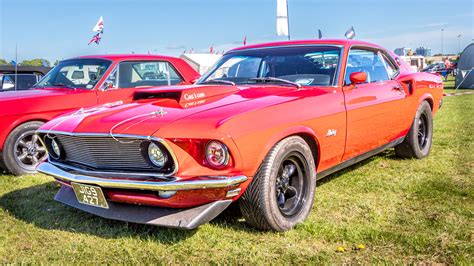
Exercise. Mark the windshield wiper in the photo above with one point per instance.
(221, 81)
(62, 85)
(277, 80)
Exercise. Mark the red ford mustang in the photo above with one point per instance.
(260, 128)
(75, 83)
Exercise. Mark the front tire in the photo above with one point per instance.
(417, 143)
(282, 192)
(22, 150)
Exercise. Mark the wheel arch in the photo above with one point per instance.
(17, 123)
(428, 98)
(306, 133)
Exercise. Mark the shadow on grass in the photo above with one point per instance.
(35, 205)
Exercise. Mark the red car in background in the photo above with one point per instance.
(260, 128)
(77, 83)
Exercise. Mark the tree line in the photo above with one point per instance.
(32, 62)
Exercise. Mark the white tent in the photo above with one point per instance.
(201, 62)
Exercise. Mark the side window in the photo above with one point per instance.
(8, 83)
(112, 80)
(392, 69)
(146, 74)
(366, 61)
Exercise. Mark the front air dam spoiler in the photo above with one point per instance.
(189, 218)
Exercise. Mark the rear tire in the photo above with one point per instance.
(282, 192)
(417, 143)
(22, 150)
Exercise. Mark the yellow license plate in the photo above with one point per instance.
(90, 195)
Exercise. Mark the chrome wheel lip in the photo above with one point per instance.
(28, 151)
(296, 184)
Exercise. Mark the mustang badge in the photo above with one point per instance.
(331, 133)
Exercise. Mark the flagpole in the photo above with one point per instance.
(16, 65)
(288, 19)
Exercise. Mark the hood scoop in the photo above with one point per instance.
(185, 95)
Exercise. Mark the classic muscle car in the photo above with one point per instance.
(260, 128)
(72, 84)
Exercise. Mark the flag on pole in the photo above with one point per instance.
(245, 40)
(282, 18)
(99, 26)
(96, 38)
(350, 33)
(320, 34)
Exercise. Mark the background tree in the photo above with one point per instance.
(3, 62)
(35, 62)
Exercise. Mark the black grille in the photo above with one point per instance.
(106, 154)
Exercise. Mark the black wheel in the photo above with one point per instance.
(417, 143)
(282, 191)
(22, 150)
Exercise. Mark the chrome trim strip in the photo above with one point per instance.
(111, 173)
(162, 141)
(211, 182)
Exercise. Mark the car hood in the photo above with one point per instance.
(155, 108)
(33, 93)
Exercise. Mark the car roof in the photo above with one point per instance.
(116, 57)
(342, 42)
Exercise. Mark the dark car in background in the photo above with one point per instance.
(21, 77)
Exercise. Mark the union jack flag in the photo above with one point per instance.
(96, 38)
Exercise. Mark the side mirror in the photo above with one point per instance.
(358, 77)
(107, 85)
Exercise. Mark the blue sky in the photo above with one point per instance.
(57, 29)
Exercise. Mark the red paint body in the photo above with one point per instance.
(251, 119)
(43, 104)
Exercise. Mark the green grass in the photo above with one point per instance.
(403, 211)
(450, 86)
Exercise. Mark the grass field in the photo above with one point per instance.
(450, 87)
(381, 210)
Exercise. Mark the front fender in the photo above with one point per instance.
(278, 136)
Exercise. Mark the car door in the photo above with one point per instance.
(129, 76)
(375, 109)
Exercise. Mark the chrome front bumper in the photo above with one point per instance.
(203, 183)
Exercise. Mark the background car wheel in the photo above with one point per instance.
(417, 143)
(282, 191)
(22, 150)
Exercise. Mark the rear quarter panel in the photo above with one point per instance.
(424, 87)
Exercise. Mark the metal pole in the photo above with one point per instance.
(459, 43)
(16, 66)
(442, 37)
(288, 19)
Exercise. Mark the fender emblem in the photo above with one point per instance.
(331, 133)
(161, 112)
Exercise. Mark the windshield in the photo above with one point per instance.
(305, 65)
(75, 73)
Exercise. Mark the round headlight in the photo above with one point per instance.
(156, 155)
(55, 149)
(217, 155)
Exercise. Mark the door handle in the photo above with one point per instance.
(398, 88)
